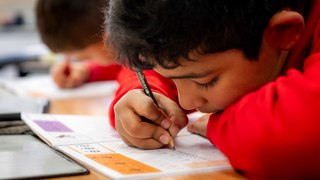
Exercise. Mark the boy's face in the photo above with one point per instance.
(214, 81)
(96, 52)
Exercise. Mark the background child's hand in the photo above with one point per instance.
(155, 132)
(67, 75)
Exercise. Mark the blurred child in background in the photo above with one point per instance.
(75, 28)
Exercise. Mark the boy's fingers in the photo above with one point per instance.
(176, 125)
(142, 143)
(131, 113)
(133, 125)
(175, 113)
(145, 107)
(199, 126)
(170, 115)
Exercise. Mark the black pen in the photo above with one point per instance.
(148, 92)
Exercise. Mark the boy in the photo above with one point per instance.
(254, 64)
(75, 28)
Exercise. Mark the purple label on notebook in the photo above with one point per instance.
(52, 126)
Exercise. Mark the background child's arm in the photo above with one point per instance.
(67, 75)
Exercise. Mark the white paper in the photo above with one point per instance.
(91, 140)
(43, 86)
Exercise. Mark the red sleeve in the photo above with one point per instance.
(274, 133)
(102, 72)
(128, 80)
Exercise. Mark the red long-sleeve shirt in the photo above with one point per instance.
(99, 72)
(274, 132)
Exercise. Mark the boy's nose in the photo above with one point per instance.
(189, 99)
(189, 103)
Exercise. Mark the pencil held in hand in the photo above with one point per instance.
(146, 86)
(67, 69)
(171, 144)
(149, 93)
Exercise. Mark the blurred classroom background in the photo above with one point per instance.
(25, 61)
(21, 51)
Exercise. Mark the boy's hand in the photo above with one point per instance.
(200, 125)
(161, 126)
(67, 75)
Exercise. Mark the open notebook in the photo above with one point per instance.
(91, 141)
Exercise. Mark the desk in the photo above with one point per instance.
(97, 106)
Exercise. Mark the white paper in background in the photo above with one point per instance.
(43, 86)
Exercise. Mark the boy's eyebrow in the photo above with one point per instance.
(189, 76)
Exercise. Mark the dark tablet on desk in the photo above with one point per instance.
(26, 157)
(12, 106)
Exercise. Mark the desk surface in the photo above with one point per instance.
(97, 106)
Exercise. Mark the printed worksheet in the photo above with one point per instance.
(70, 129)
(91, 141)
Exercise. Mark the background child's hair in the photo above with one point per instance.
(163, 31)
(67, 25)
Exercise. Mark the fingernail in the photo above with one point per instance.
(164, 139)
(166, 123)
(174, 130)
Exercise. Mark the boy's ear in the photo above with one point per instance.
(284, 30)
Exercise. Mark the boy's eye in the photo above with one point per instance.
(207, 85)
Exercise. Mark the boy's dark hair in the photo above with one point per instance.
(66, 25)
(150, 32)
